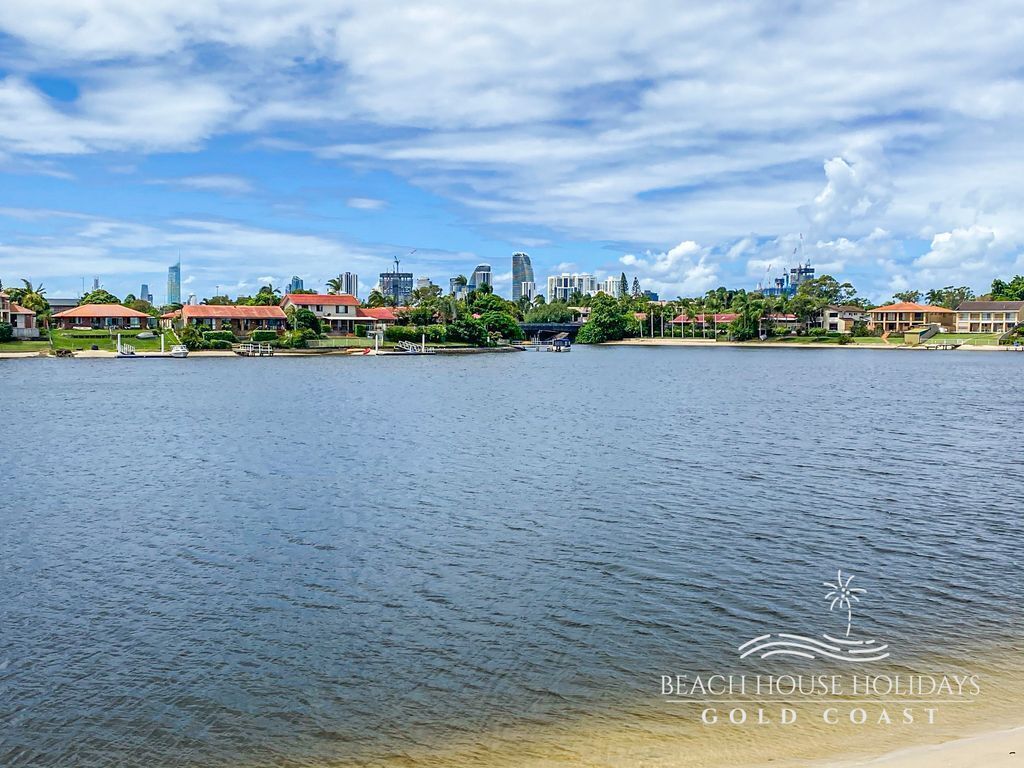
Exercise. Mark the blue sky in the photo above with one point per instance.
(692, 148)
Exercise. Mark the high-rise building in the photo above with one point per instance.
(96, 283)
(481, 276)
(145, 295)
(523, 283)
(561, 287)
(350, 283)
(457, 287)
(174, 283)
(612, 286)
(423, 282)
(295, 285)
(397, 285)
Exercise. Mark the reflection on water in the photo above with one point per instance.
(487, 560)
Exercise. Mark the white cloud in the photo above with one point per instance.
(227, 183)
(709, 123)
(684, 270)
(365, 203)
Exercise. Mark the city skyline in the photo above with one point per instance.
(693, 150)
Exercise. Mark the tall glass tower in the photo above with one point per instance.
(174, 283)
(523, 283)
(481, 276)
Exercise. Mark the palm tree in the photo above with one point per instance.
(711, 305)
(33, 297)
(375, 299)
(335, 284)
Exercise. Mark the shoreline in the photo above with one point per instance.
(671, 342)
(992, 748)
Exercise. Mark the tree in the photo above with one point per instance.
(912, 296)
(539, 300)
(623, 286)
(267, 296)
(608, 322)
(827, 290)
(468, 330)
(502, 324)
(637, 293)
(555, 312)
(949, 297)
(301, 319)
(376, 299)
(99, 296)
(218, 301)
(1008, 291)
(31, 297)
(335, 284)
(6, 332)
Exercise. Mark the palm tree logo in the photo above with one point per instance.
(844, 596)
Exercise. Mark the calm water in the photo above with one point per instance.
(298, 562)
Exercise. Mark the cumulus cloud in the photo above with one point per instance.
(711, 123)
(683, 270)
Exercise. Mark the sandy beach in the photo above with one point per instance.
(983, 751)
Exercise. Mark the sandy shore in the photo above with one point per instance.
(984, 751)
(656, 342)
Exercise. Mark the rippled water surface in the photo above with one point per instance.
(291, 562)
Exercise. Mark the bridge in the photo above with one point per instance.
(545, 331)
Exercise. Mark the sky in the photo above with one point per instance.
(692, 147)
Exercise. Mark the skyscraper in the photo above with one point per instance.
(397, 285)
(350, 283)
(523, 283)
(295, 284)
(562, 287)
(481, 276)
(145, 295)
(174, 283)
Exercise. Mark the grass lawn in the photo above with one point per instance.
(104, 340)
(972, 339)
(23, 345)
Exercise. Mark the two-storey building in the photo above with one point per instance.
(337, 312)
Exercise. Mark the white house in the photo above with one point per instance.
(337, 312)
(988, 316)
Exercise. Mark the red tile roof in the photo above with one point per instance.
(17, 309)
(101, 310)
(909, 306)
(377, 313)
(171, 315)
(330, 299)
(232, 312)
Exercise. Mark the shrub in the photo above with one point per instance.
(263, 336)
(6, 332)
(817, 332)
(436, 334)
(218, 344)
(845, 340)
(469, 331)
(227, 335)
(502, 324)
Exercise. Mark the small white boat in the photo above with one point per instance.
(179, 350)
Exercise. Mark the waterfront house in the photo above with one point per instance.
(842, 317)
(375, 317)
(60, 305)
(240, 319)
(900, 317)
(720, 319)
(988, 316)
(23, 321)
(168, 319)
(5, 308)
(101, 316)
(338, 312)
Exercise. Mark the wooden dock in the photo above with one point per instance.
(254, 350)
